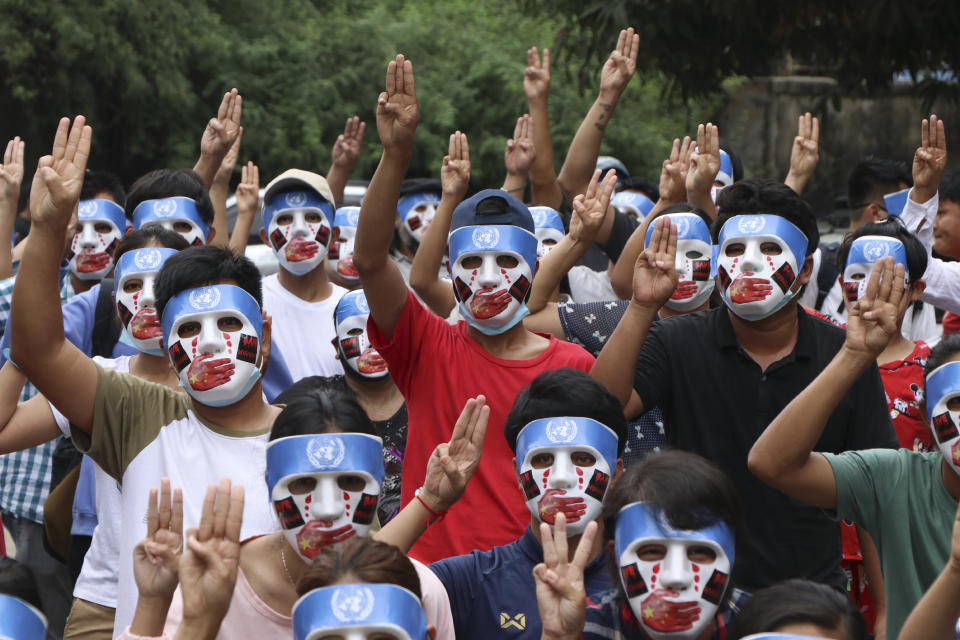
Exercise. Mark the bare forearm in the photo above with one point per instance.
(552, 268)
(150, 616)
(581, 160)
(935, 616)
(702, 200)
(424, 273)
(218, 196)
(621, 277)
(871, 563)
(515, 184)
(615, 365)
(544, 188)
(337, 178)
(8, 216)
(36, 322)
(206, 168)
(375, 227)
(241, 231)
(406, 527)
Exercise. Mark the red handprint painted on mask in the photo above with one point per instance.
(92, 261)
(487, 303)
(346, 268)
(746, 288)
(300, 249)
(146, 324)
(551, 504)
(315, 535)
(370, 361)
(685, 289)
(667, 616)
(205, 373)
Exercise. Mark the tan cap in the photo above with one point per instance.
(294, 178)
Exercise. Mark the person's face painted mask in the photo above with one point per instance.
(693, 262)
(864, 251)
(942, 396)
(492, 269)
(341, 250)
(547, 227)
(758, 261)
(356, 352)
(100, 226)
(133, 292)
(213, 336)
(298, 226)
(324, 487)
(359, 612)
(724, 176)
(632, 203)
(177, 214)
(565, 466)
(416, 211)
(674, 579)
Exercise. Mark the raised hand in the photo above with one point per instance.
(930, 159)
(347, 147)
(805, 153)
(536, 77)
(520, 152)
(590, 208)
(156, 558)
(455, 172)
(655, 276)
(673, 177)
(872, 321)
(11, 172)
(705, 160)
(397, 108)
(59, 177)
(248, 191)
(229, 162)
(621, 65)
(561, 594)
(451, 465)
(223, 130)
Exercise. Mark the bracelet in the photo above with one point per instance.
(523, 188)
(437, 516)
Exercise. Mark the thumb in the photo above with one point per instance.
(450, 468)
(54, 185)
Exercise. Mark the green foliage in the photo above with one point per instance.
(149, 75)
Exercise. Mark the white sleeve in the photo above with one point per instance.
(811, 291)
(918, 218)
(943, 285)
(62, 423)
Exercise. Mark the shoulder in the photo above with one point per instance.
(573, 354)
(888, 465)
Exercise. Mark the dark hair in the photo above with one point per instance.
(95, 182)
(950, 187)
(204, 266)
(312, 409)
(142, 237)
(798, 601)
(948, 347)
(17, 580)
(364, 559)
(681, 207)
(893, 228)
(872, 178)
(766, 196)
(168, 183)
(565, 392)
(644, 186)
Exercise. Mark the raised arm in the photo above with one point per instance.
(57, 368)
(248, 201)
(805, 153)
(783, 455)
(220, 134)
(219, 191)
(346, 150)
(655, 278)
(581, 159)
(22, 425)
(704, 166)
(397, 117)
(425, 272)
(11, 176)
(544, 188)
(518, 157)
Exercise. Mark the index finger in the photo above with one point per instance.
(532, 57)
(924, 133)
(205, 531)
(60, 139)
(464, 147)
(546, 60)
(82, 153)
(634, 46)
(886, 280)
(873, 282)
(452, 146)
(391, 78)
(176, 522)
(153, 516)
(222, 509)
(621, 41)
(224, 105)
(463, 419)
(549, 549)
(815, 129)
(898, 291)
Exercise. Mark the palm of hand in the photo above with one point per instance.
(929, 161)
(651, 283)
(520, 157)
(45, 205)
(206, 587)
(11, 176)
(247, 194)
(560, 615)
(398, 124)
(616, 72)
(345, 151)
(215, 142)
(536, 82)
(160, 577)
(805, 155)
(454, 175)
(871, 335)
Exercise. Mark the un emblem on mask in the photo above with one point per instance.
(683, 225)
(539, 217)
(353, 603)
(87, 208)
(362, 305)
(295, 199)
(326, 452)
(874, 251)
(751, 224)
(204, 298)
(561, 430)
(147, 259)
(486, 237)
(353, 217)
(164, 208)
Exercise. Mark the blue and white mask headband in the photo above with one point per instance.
(416, 211)
(324, 487)
(101, 225)
(341, 250)
(21, 621)
(864, 251)
(357, 354)
(896, 201)
(301, 242)
(632, 203)
(565, 465)
(141, 326)
(676, 585)
(693, 262)
(547, 227)
(168, 212)
(216, 355)
(492, 292)
(941, 386)
(353, 611)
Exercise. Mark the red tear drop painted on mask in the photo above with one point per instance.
(656, 568)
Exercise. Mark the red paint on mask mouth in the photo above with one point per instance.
(659, 612)
(300, 249)
(552, 503)
(316, 534)
(685, 289)
(146, 324)
(746, 288)
(370, 361)
(345, 267)
(487, 303)
(92, 261)
(207, 373)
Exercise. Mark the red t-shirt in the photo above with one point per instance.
(903, 384)
(951, 323)
(438, 368)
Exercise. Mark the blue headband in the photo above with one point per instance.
(409, 201)
(869, 249)
(690, 226)
(546, 217)
(353, 303)
(765, 224)
(100, 209)
(166, 208)
(219, 297)
(494, 238)
(568, 432)
(779, 636)
(943, 380)
(636, 200)
(726, 168)
(355, 605)
(346, 217)
(646, 520)
(896, 201)
(299, 199)
(324, 452)
(140, 261)
(21, 621)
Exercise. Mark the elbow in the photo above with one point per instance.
(760, 465)
(624, 290)
(366, 263)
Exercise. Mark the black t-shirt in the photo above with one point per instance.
(716, 402)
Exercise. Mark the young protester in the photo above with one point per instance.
(905, 499)
(747, 359)
(801, 608)
(340, 267)
(297, 224)
(489, 351)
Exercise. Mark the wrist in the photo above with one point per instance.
(198, 628)
(858, 359)
(645, 310)
(921, 194)
(609, 97)
(539, 101)
(432, 503)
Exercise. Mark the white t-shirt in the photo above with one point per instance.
(587, 285)
(303, 330)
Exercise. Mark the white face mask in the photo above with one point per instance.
(299, 238)
(356, 352)
(548, 228)
(416, 212)
(177, 214)
(942, 390)
(864, 252)
(213, 338)
(341, 251)
(759, 260)
(693, 262)
(92, 249)
(324, 487)
(135, 298)
(673, 579)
